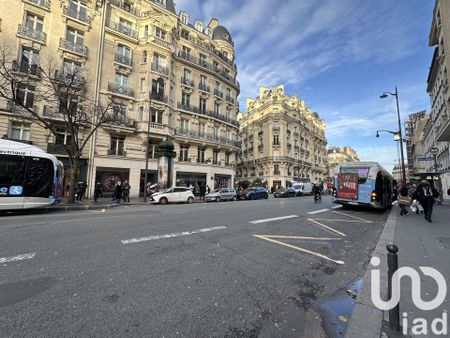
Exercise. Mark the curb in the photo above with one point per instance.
(367, 320)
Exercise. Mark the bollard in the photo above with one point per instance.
(392, 261)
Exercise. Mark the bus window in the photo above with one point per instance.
(362, 172)
(12, 172)
(39, 181)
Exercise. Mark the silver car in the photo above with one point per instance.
(221, 194)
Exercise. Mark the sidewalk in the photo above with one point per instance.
(420, 244)
(102, 203)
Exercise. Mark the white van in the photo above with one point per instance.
(302, 188)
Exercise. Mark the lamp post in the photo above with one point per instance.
(383, 96)
(159, 85)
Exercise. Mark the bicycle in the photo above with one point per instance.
(317, 198)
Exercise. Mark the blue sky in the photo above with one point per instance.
(338, 55)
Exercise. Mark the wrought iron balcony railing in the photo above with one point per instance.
(119, 89)
(204, 87)
(77, 15)
(160, 69)
(41, 3)
(125, 6)
(73, 47)
(123, 59)
(123, 29)
(187, 81)
(26, 68)
(31, 33)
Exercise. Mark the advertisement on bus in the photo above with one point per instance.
(347, 186)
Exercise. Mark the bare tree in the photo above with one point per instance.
(67, 98)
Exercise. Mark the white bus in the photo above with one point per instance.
(29, 177)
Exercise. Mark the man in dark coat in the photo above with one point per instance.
(425, 194)
(202, 191)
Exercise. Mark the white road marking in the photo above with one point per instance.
(317, 211)
(304, 237)
(300, 249)
(175, 234)
(327, 227)
(17, 258)
(361, 219)
(272, 219)
(338, 220)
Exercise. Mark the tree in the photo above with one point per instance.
(65, 93)
(256, 182)
(244, 184)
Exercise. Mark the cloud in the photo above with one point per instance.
(386, 156)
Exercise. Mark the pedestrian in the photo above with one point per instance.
(97, 191)
(83, 188)
(404, 200)
(425, 194)
(202, 191)
(448, 191)
(208, 189)
(117, 195)
(126, 191)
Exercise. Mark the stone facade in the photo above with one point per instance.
(414, 127)
(281, 140)
(154, 65)
(338, 155)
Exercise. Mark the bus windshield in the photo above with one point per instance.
(12, 172)
(362, 172)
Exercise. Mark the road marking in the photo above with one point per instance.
(272, 219)
(304, 237)
(327, 227)
(361, 219)
(338, 220)
(336, 207)
(17, 258)
(175, 234)
(299, 249)
(317, 211)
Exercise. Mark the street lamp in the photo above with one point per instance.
(383, 96)
(160, 84)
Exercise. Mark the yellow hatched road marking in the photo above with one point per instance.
(327, 227)
(300, 249)
(361, 219)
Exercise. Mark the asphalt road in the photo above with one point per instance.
(229, 269)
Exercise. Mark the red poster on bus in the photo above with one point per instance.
(347, 186)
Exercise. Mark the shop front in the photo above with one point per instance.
(152, 177)
(188, 179)
(222, 181)
(108, 178)
(68, 172)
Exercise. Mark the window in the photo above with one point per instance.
(72, 69)
(202, 106)
(216, 66)
(20, 131)
(184, 19)
(184, 152)
(123, 54)
(117, 145)
(217, 85)
(141, 113)
(153, 148)
(187, 74)
(29, 60)
(215, 132)
(144, 56)
(25, 95)
(121, 80)
(146, 30)
(160, 33)
(125, 26)
(119, 112)
(228, 93)
(276, 169)
(157, 116)
(203, 80)
(184, 125)
(199, 26)
(227, 135)
(228, 114)
(159, 61)
(185, 34)
(227, 159)
(142, 84)
(126, 6)
(276, 141)
(185, 99)
(215, 159)
(78, 9)
(74, 36)
(202, 129)
(202, 59)
(63, 137)
(34, 22)
(201, 155)
(157, 88)
(216, 108)
(225, 54)
(186, 51)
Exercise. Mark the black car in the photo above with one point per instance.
(286, 192)
(254, 193)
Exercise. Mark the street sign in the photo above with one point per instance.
(434, 151)
(429, 158)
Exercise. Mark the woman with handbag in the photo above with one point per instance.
(404, 200)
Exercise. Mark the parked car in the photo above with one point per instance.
(286, 192)
(255, 193)
(173, 195)
(302, 188)
(221, 194)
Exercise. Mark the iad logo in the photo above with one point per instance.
(420, 325)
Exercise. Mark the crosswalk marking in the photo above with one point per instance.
(17, 258)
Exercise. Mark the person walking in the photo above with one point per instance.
(126, 191)
(117, 195)
(97, 191)
(403, 200)
(208, 189)
(202, 191)
(425, 194)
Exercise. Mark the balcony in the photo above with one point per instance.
(277, 173)
(196, 110)
(186, 81)
(218, 93)
(161, 42)
(183, 159)
(121, 90)
(229, 99)
(203, 136)
(159, 97)
(123, 60)
(77, 15)
(31, 33)
(73, 47)
(204, 87)
(25, 68)
(187, 57)
(123, 29)
(56, 148)
(44, 4)
(160, 69)
(118, 152)
(125, 6)
(121, 120)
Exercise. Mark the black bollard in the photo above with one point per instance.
(392, 261)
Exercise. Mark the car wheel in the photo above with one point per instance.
(217, 199)
(190, 200)
(266, 196)
(234, 198)
(163, 200)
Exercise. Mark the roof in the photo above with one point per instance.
(221, 33)
(18, 146)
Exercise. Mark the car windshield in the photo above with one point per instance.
(250, 189)
(217, 190)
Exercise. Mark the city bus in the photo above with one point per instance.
(363, 184)
(29, 177)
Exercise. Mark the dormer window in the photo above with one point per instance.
(161, 2)
(199, 26)
(184, 18)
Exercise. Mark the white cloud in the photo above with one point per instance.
(386, 156)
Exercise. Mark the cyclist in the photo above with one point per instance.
(317, 193)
